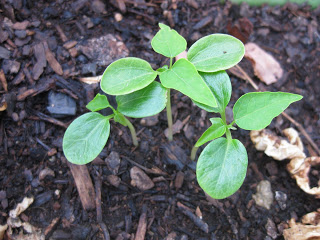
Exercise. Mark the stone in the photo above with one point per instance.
(264, 195)
(20, 33)
(114, 180)
(89, 68)
(150, 121)
(4, 53)
(113, 162)
(140, 180)
(271, 229)
(103, 50)
(61, 105)
(10, 66)
(281, 198)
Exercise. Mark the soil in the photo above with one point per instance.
(31, 137)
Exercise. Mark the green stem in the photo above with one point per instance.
(169, 116)
(224, 119)
(170, 63)
(193, 153)
(133, 132)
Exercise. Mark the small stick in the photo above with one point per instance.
(97, 183)
(142, 226)
(51, 226)
(105, 231)
(298, 125)
(61, 34)
(197, 221)
(247, 78)
(52, 120)
(304, 133)
(154, 170)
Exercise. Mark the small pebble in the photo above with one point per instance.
(281, 198)
(118, 17)
(15, 117)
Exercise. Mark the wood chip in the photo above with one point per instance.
(70, 44)
(54, 64)
(41, 63)
(142, 226)
(3, 80)
(21, 25)
(84, 185)
(140, 179)
(266, 67)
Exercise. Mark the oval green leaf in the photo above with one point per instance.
(216, 130)
(220, 86)
(216, 52)
(143, 103)
(222, 167)
(168, 42)
(255, 111)
(99, 102)
(184, 77)
(127, 75)
(85, 138)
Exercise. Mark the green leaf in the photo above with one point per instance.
(119, 118)
(99, 102)
(184, 77)
(85, 138)
(220, 86)
(127, 75)
(222, 167)
(216, 52)
(255, 111)
(217, 129)
(143, 103)
(168, 42)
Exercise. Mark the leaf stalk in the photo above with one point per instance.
(133, 132)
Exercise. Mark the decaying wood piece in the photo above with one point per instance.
(142, 226)
(41, 63)
(84, 185)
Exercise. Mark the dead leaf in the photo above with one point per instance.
(300, 170)
(302, 231)
(21, 207)
(280, 149)
(277, 148)
(3, 229)
(266, 67)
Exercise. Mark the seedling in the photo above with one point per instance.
(211, 53)
(87, 135)
(222, 165)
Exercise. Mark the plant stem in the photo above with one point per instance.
(170, 63)
(224, 119)
(193, 153)
(169, 116)
(133, 132)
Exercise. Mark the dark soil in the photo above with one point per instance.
(29, 133)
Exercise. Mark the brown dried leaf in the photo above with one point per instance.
(298, 231)
(3, 229)
(280, 149)
(21, 207)
(300, 170)
(265, 66)
(277, 148)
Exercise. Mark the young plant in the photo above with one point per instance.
(87, 135)
(212, 53)
(222, 165)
